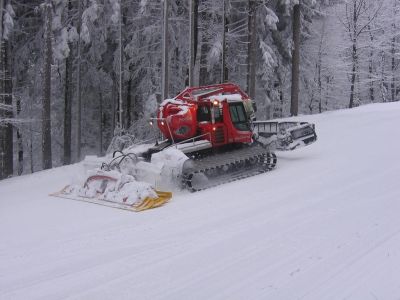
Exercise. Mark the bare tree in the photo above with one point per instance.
(46, 116)
(165, 57)
(193, 21)
(393, 53)
(224, 74)
(6, 111)
(68, 100)
(294, 105)
(251, 50)
(78, 85)
(357, 20)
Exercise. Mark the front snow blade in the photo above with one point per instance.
(147, 203)
(102, 186)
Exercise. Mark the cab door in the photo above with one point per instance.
(237, 123)
(219, 131)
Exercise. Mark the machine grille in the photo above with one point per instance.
(219, 135)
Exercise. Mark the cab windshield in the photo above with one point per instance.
(238, 116)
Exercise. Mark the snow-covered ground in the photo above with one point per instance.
(324, 225)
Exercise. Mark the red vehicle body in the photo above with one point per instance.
(219, 113)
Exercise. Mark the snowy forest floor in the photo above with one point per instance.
(324, 225)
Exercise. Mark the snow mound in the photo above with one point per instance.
(170, 157)
(170, 163)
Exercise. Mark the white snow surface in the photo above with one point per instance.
(323, 225)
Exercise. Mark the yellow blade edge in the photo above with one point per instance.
(142, 205)
(149, 202)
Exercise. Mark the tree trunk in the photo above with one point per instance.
(204, 49)
(78, 86)
(353, 55)
(165, 56)
(371, 80)
(224, 69)
(353, 75)
(193, 38)
(294, 105)
(100, 124)
(6, 130)
(31, 130)
(32, 168)
(67, 111)
(68, 102)
(129, 104)
(319, 68)
(382, 84)
(319, 87)
(393, 53)
(113, 106)
(320, 63)
(310, 104)
(120, 102)
(251, 50)
(46, 114)
(393, 67)
(20, 167)
(370, 67)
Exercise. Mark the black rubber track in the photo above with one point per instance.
(206, 172)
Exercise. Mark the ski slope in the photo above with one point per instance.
(325, 224)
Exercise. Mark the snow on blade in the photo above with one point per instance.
(124, 189)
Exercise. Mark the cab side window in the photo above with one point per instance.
(203, 114)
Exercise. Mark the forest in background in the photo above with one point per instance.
(74, 73)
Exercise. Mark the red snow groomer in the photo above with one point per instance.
(215, 126)
(220, 113)
(218, 139)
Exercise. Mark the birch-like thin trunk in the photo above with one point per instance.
(294, 103)
(251, 53)
(120, 102)
(68, 101)
(393, 53)
(78, 86)
(113, 105)
(319, 67)
(371, 66)
(354, 56)
(100, 123)
(20, 144)
(224, 74)
(165, 79)
(204, 50)
(129, 103)
(192, 46)
(31, 134)
(6, 130)
(353, 74)
(46, 113)
(382, 84)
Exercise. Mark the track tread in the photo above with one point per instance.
(236, 162)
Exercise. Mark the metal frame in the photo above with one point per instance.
(193, 139)
(169, 129)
